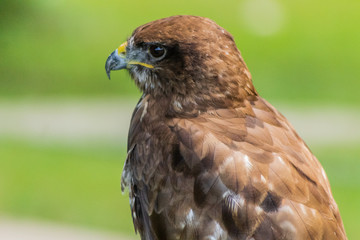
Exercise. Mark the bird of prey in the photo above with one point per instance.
(208, 158)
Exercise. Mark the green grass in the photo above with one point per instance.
(75, 185)
(81, 184)
(59, 48)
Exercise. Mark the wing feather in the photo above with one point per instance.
(239, 157)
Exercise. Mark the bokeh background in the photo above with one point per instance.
(63, 125)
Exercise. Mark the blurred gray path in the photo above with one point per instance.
(108, 120)
(11, 229)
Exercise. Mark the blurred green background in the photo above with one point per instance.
(300, 53)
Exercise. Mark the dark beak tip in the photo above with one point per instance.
(108, 69)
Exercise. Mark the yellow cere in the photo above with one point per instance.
(122, 48)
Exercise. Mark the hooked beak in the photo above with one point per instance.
(116, 60)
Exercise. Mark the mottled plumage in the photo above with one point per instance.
(208, 158)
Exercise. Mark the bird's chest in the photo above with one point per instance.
(160, 190)
(150, 148)
(150, 143)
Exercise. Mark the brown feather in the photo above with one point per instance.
(210, 159)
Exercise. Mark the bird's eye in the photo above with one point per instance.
(157, 52)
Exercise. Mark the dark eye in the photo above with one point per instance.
(157, 51)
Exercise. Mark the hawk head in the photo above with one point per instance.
(184, 57)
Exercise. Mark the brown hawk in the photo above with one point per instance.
(208, 158)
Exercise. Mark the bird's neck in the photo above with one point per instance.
(196, 104)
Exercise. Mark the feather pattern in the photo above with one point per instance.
(208, 158)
